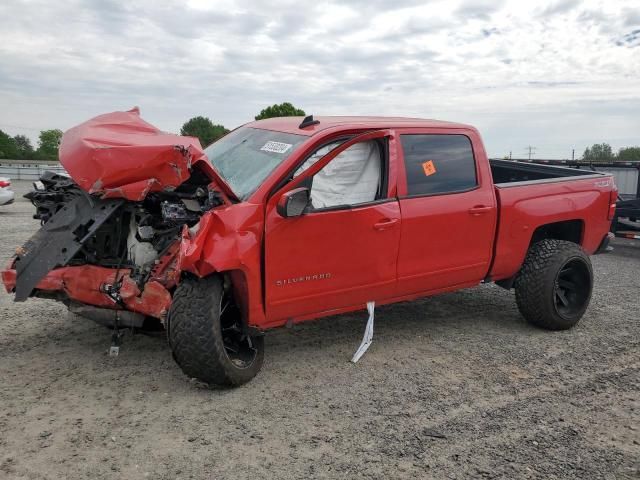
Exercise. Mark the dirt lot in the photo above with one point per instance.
(456, 386)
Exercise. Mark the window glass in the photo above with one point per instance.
(246, 156)
(317, 155)
(352, 178)
(438, 163)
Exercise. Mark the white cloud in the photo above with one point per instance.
(558, 74)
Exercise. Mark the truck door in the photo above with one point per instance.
(342, 251)
(448, 211)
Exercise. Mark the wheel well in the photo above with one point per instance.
(236, 282)
(569, 230)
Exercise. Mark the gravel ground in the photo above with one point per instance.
(455, 386)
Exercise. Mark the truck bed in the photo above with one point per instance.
(534, 196)
(506, 172)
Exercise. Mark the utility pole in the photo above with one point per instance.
(509, 154)
(573, 154)
(531, 150)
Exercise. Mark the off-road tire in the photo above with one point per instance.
(195, 335)
(537, 283)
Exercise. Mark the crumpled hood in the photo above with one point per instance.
(119, 155)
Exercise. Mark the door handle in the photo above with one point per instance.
(479, 210)
(386, 223)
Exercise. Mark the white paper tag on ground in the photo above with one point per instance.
(276, 147)
(368, 333)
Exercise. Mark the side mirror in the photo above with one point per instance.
(293, 202)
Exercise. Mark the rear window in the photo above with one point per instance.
(438, 164)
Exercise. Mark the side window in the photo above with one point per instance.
(355, 176)
(317, 155)
(438, 163)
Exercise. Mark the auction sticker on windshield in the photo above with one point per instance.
(276, 147)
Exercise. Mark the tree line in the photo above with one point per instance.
(602, 152)
(208, 132)
(20, 147)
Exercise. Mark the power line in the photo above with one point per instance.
(531, 150)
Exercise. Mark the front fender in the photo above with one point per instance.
(227, 239)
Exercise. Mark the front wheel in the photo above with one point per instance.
(553, 288)
(206, 336)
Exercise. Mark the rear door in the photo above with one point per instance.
(448, 209)
(335, 257)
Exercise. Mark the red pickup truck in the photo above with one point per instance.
(289, 219)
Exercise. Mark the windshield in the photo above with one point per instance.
(246, 156)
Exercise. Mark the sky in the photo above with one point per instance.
(555, 75)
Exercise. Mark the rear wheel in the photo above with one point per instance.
(553, 288)
(206, 336)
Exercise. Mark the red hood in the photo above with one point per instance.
(120, 155)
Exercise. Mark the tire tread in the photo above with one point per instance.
(533, 282)
(195, 335)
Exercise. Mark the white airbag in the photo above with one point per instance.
(351, 178)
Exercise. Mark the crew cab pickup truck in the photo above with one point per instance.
(289, 219)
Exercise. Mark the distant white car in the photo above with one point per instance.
(6, 194)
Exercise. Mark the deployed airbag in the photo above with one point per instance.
(351, 178)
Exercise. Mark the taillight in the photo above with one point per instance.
(613, 197)
(5, 183)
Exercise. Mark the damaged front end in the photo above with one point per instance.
(110, 235)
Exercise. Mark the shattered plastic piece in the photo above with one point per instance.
(368, 333)
(59, 240)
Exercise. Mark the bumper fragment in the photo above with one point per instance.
(59, 240)
(89, 284)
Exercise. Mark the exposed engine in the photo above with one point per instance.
(110, 236)
(137, 233)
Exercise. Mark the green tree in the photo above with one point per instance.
(599, 152)
(8, 147)
(280, 110)
(48, 144)
(204, 129)
(629, 154)
(23, 146)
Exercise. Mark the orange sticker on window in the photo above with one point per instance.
(429, 168)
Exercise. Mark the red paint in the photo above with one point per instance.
(229, 239)
(525, 208)
(322, 269)
(613, 198)
(119, 155)
(166, 270)
(85, 284)
(447, 240)
(327, 262)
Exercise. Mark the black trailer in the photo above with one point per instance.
(625, 223)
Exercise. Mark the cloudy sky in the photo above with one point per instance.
(556, 74)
